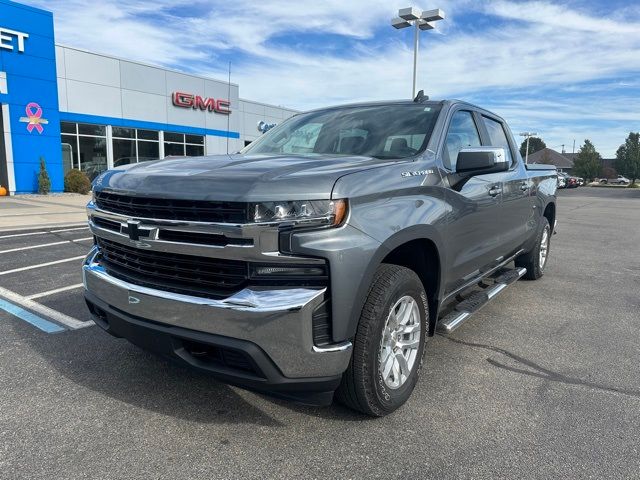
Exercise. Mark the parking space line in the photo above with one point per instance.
(29, 317)
(66, 320)
(19, 249)
(55, 290)
(13, 235)
(31, 267)
(69, 229)
(45, 245)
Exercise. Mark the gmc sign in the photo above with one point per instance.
(189, 100)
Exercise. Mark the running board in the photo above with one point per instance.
(474, 302)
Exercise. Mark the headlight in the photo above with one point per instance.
(300, 212)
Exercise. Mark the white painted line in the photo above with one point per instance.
(42, 245)
(68, 229)
(42, 233)
(23, 234)
(80, 226)
(72, 323)
(19, 249)
(55, 290)
(31, 267)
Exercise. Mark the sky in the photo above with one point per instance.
(568, 70)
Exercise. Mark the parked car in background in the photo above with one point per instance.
(570, 182)
(620, 180)
(580, 181)
(562, 181)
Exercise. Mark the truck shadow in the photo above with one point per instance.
(116, 369)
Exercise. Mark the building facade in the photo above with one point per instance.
(77, 109)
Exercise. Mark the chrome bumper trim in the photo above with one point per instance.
(246, 300)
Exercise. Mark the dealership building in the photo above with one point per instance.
(77, 109)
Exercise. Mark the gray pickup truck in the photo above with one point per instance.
(321, 258)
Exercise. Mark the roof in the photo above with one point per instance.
(551, 157)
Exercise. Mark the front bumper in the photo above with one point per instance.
(273, 326)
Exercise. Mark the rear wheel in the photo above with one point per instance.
(389, 343)
(536, 260)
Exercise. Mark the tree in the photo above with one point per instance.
(535, 145)
(588, 162)
(44, 183)
(628, 157)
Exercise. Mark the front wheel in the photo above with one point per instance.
(389, 343)
(535, 260)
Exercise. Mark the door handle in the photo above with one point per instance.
(495, 191)
(524, 186)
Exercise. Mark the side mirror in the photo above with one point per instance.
(481, 160)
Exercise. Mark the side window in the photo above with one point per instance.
(498, 136)
(462, 133)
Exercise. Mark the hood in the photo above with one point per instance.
(244, 178)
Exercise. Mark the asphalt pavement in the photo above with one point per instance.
(542, 383)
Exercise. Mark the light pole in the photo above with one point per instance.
(528, 135)
(421, 21)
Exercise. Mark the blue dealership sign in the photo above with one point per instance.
(27, 58)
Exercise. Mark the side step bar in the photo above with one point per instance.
(474, 302)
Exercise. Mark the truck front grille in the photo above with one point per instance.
(185, 274)
(172, 209)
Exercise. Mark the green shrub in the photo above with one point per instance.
(76, 181)
(44, 182)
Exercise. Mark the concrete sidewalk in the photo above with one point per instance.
(35, 211)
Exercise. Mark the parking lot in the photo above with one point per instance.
(544, 382)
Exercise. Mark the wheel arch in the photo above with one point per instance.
(418, 248)
(550, 214)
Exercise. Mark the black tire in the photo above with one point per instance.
(531, 260)
(363, 387)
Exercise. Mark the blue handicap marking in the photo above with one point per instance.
(35, 320)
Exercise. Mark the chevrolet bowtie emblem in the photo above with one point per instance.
(133, 229)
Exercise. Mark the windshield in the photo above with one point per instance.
(389, 131)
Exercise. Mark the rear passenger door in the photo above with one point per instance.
(474, 236)
(516, 209)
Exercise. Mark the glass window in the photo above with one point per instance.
(497, 136)
(302, 140)
(195, 150)
(404, 141)
(462, 133)
(352, 131)
(93, 155)
(120, 132)
(173, 137)
(124, 152)
(66, 127)
(174, 150)
(194, 139)
(67, 157)
(148, 151)
(147, 135)
(70, 147)
(97, 130)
